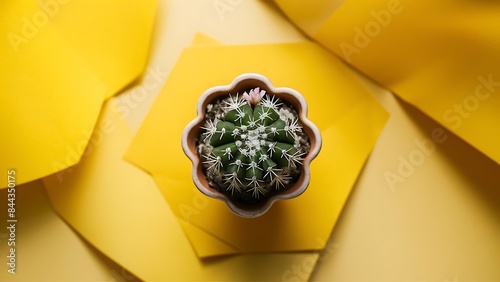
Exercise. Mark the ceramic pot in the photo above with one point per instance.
(193, 131)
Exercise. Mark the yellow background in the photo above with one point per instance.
(440, 224)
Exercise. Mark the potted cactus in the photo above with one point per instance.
(251, 144)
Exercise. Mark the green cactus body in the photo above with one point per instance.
(254, 148)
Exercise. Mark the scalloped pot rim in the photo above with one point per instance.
(193, 129)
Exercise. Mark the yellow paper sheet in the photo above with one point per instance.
(60, 60)
(119, 210)
(441, 56)
(346, 114)
(437, 222)
(46, 249)
(112, 37)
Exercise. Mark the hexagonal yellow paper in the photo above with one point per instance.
(119, 210)
(60, 61)
(440, 56)
(348, 117)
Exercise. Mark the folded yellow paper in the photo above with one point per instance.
(440, 56)
(112, 37)
(44, 247)
(120, 211)
(60, 60)
(346, 114)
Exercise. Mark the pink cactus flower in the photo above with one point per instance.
(254, 96)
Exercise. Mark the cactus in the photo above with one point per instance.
(253, 146)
